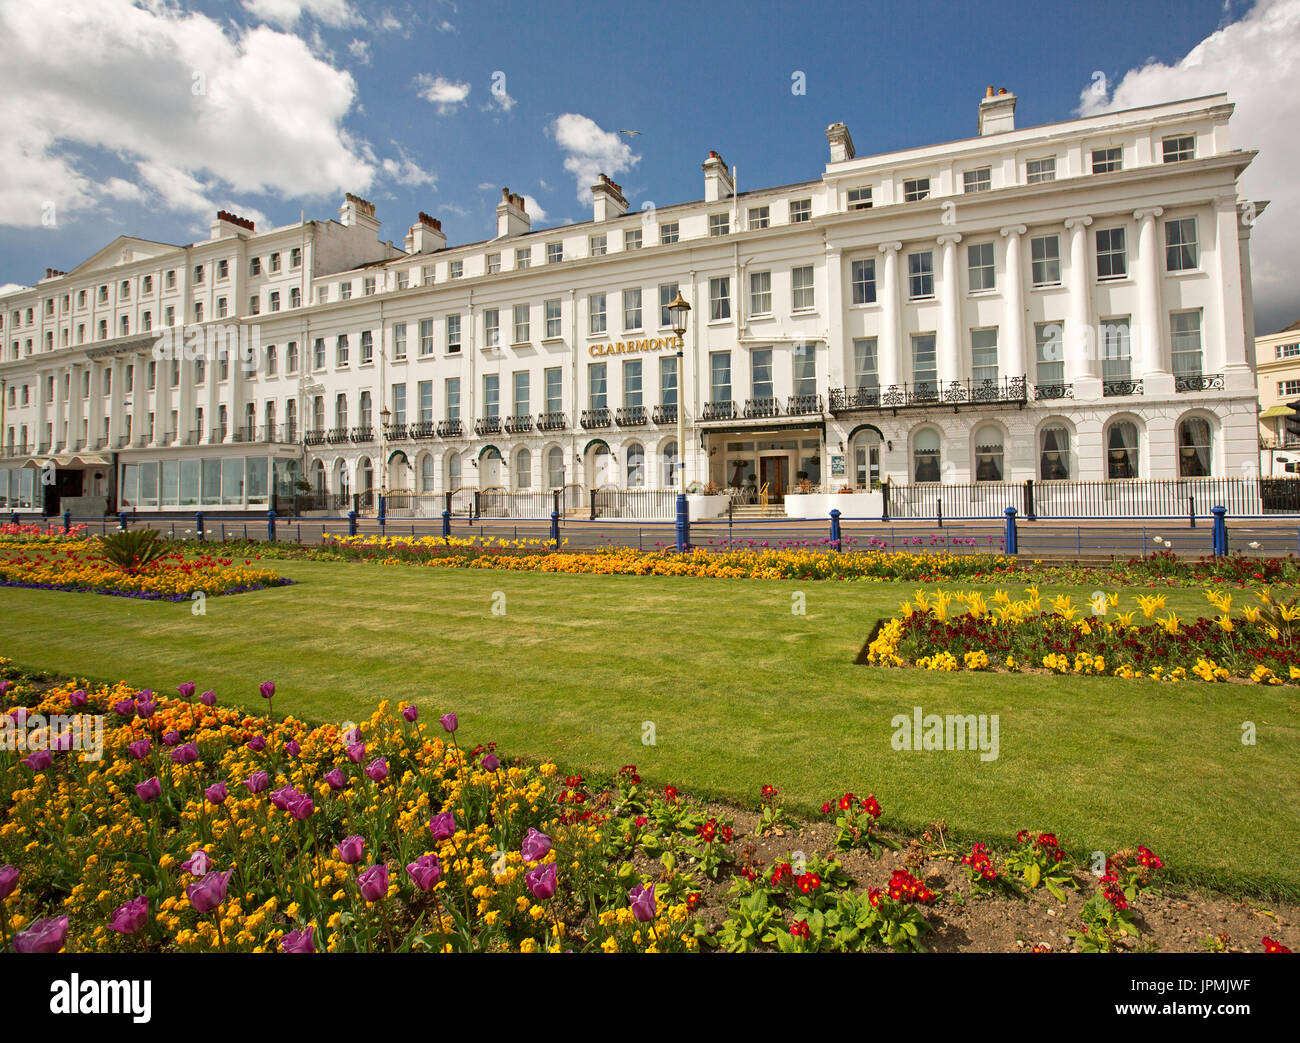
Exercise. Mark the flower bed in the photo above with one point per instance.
(77, 566)
(207, 828)
(23, 533)
(1261, 643)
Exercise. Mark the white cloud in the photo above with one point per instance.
(590, 151)
(287, 13)
(202, 110)
(446, 95)
(11, 287)
(403, 170)
(534, 209)
(360, 50)
(1256, 60)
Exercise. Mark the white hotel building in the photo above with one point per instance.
(1065, 302)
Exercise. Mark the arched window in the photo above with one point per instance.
(1054, 454)
(318, 476)
(866, 459)
(523, 469)
(1194, 444)
(1122, 450)
(426, 473)
(925, 455)
(670, 465)
(365, 480)
(452, 472)
(341, 411)
(341, 483)
(989, 453)
(555, 468)
(635, 466)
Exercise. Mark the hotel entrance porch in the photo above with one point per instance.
(749, 462)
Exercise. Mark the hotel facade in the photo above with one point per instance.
(1062, 303)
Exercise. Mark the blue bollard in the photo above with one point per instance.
(270, 526)
(198, 523)
(14, 519)
(352, 523)
(835, 528)
(383, 513)
(683, 525)
(446, 524)
(555, 528)
(1012, 544)
(67, 522)
(121, 520)
(1219, 532)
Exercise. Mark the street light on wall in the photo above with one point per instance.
(384, 415)
(679, 314)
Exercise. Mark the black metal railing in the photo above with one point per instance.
(551, 421)
(1199, 382)
(761, 407)
(314, 436)
(1120, 388)
(396, 432)
(596, 418)
(487, 425)
(365, 433)
(926, 393)
(335, 435)
(665, 414)
(1052, 392)
(422, 429)
(718, 411)
(631, 416)
(803, 405)
(518, 425)
(449, 429)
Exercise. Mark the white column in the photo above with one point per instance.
(950, 347)
(139, 399)
(95, 405)
(1012, 341)
(58, 442)
(836, 346)
(117, 394)
(1150, 317)
(74, 407)
(891, 327)
(1237, 344)
(1082, 365)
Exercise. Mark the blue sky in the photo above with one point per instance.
(435, 106)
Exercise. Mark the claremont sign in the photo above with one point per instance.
(635, 347)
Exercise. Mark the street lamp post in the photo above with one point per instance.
(679, 311)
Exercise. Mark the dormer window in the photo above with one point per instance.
(1179, 148)
(1039, 170)
(915, 189)
(800, 211)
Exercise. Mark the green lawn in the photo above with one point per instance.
(741, 692)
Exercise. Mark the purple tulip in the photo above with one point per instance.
(187, 689)
(208, 698)
(443, 826)
(377, 770)
(410, 713)
(149, 790)
(43, 936)
(425, 871)
(281, 797)
(300, 806)
(299, 941)
(186, 754)
(257, 782)
(124, 707)
(541, 881)
(199, 864)
(171, 738)
(335, 779)
(349, 849)
(535, 846)
(257, 744)
(78, 698)
(130, 917)
(209, 892)
(490, 762)
(20, 716)
(643, 902)
(352, 735)
(267, 688)
(62, 742)
(357, 752)
(8, 881)
(373, 883)
(5, 686)
(292, 748)
(146, 705)
(216, 793)
(450, 722)
(39, 760)
(140, 749)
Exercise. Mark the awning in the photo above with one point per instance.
(68, 460)
(1275, 411)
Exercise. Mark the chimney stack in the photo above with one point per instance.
(717, 179)
(841, 142)
(512, 218)
(426, 236)
(358, 213)
(229, 224)
(997, 112)
(608, 200)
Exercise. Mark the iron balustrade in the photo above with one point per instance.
(362, 434)
(449, 429)
(718, 411)
(1120, 388)
(517, 425)
(803, 405)
(422, 429)
(315, 436)
(336, 435)
(395, 432)
(761, 407)
(631, 416)
(1199, 382)
(487, 425)
(596, 418)
(665, 414)
(929, 394)
(551, 421)
(1052, 392)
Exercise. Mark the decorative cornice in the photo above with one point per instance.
(1013, 230)
(1083, 221)
(890, 248)
(949, 237)
(1148, 213)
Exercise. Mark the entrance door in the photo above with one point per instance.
(67, 482)
(774, 472)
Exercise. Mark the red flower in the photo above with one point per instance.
(1272, 946)
(670, 794)
(799, 929)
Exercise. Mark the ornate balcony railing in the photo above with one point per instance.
(802, 405)
(1052, 392)
(718, 411)
(596, 418)
(487, 425)
(930, 394)
(422, 429)
(665, 414)
(1199, 382)
(761, 407)
(1120, 388)
(362, 434)
(335, 435)
(552, 421)
(631, 416)
(396, 432)
(517, 425)
(449, 429)
(315, 436)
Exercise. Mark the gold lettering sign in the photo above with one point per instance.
(634, 347)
